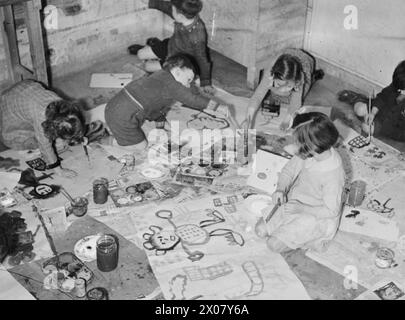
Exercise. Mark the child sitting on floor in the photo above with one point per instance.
(190, 36)
(388, 108)
(286, 84)
(309, 188)
(150, 98)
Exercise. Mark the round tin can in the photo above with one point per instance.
(98, 293)
(80, 288)
(385, 258)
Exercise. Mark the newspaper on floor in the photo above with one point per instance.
(384, 290)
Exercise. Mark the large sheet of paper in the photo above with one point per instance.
(207, 249)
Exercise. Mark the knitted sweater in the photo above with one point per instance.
(191, 39)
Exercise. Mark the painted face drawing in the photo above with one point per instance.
(188, 235)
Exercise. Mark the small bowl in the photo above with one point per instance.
(78, 207)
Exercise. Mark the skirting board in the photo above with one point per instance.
(353, 80)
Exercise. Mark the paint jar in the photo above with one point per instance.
(100, 191)
(357, 193)
(97, 294)
(80, 288)
(385, 258)
(107, 253)
(129, 161)
(78, 207)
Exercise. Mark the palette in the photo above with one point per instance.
(257, 202)
(200, 173)
(132, 195)
(63, 270)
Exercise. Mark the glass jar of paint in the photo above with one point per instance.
(107, 253)
(100, 191)
(78, 207)
(357, 193)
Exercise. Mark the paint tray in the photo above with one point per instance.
(68, 262)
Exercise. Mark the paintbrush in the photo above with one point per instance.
(47, 234)
(370, 123)
(67, 195)
(273, 211)
(86, 151)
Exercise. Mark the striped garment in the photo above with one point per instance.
(22, 111)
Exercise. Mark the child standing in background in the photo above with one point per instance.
(286, 84)
(388, 108)
(190, 36)
(310, 189)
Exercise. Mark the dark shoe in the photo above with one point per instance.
(351, 97)
(319, 74)
(134, 49)
(152, 41)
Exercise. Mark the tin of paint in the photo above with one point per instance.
(107, 253)
(357, 193)
(97, 294)
(385, 258)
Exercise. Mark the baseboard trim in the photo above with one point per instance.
(352, 79)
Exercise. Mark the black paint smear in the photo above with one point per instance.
(8, 162)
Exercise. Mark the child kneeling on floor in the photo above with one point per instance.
(286, 84)
(309, 188)
(387, 116)
(150, 98)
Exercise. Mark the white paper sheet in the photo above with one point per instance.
(11, 289)
(235, 263)
(110, 80)
(369, 224)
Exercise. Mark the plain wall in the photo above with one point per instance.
(373, 50)
(100, 29)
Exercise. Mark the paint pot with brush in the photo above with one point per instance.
(78, 207)
(357, 193)
(100, 191)
(107, 252)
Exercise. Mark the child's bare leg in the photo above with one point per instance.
(261, 229)
(152, 65)
(360, 109)
(276, 245)
(146, 53)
